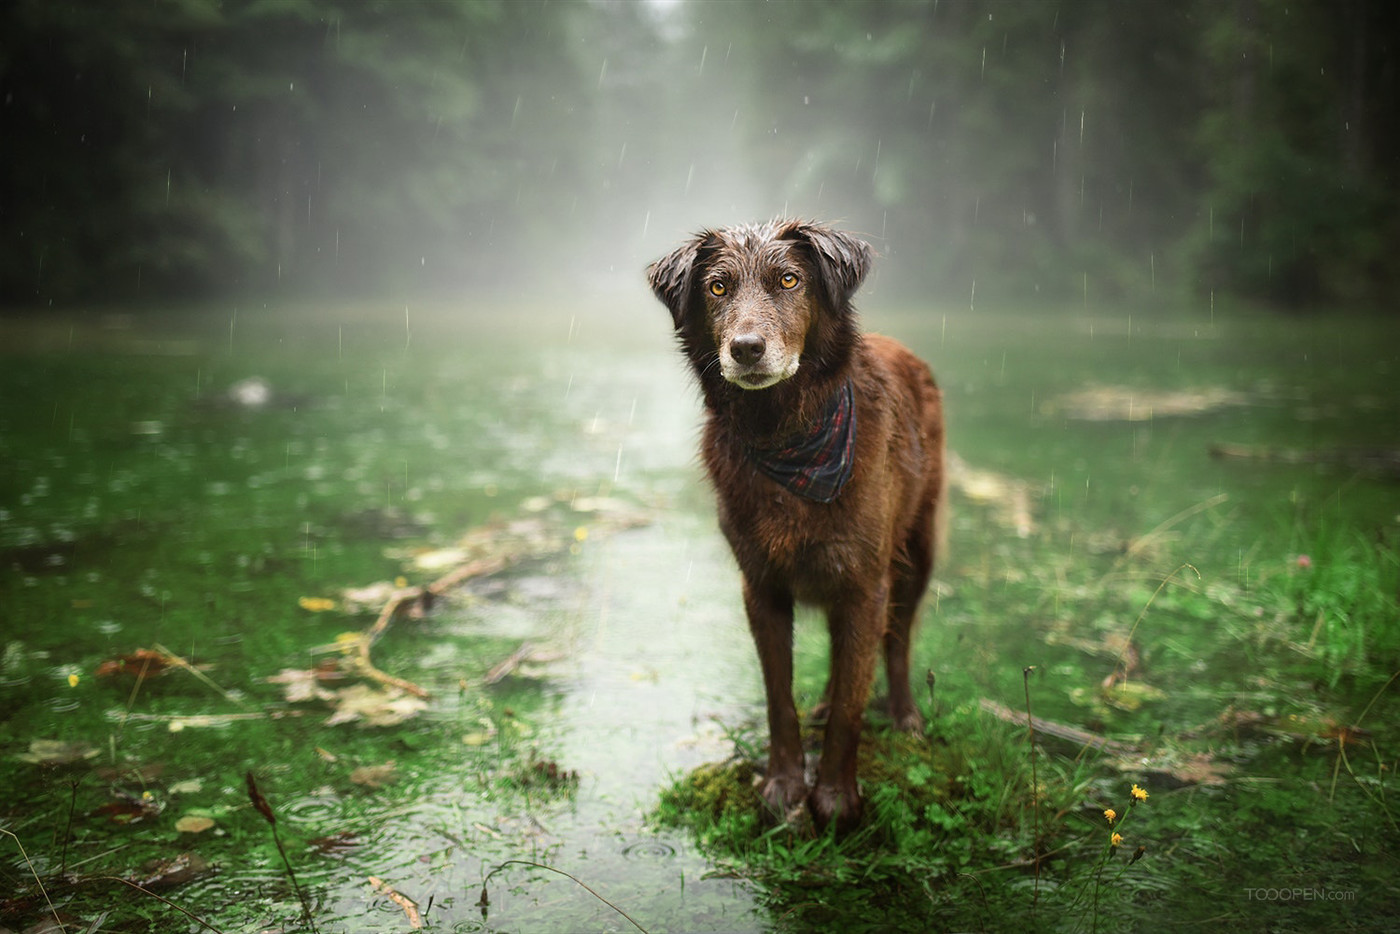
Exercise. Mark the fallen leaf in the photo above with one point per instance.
(369, 597)
(483, 736)
(56, 752)
(177, 870)
(187, 787)
(193, 824)
(129, 808)
(143, 663)
(300, 685)
(439, 559)
(375, 776)
(373, 707)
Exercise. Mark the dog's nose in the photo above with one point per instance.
(747, 349)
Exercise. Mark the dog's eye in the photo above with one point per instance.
(717, 288)
(788, 281)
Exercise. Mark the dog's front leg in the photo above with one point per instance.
(857, 626)
(770, 621)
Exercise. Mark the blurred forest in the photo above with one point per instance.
(1010, 150)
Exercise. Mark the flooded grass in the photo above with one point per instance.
(187, 499)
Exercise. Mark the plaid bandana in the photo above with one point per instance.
(816, 464)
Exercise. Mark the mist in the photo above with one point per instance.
(1008, 151)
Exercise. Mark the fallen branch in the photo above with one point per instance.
(509, 664)
(1384, 461)
(514, 542)
(397, 604)
(1058, 730)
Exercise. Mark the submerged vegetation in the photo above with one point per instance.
(548, 692)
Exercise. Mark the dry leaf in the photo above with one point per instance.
(165, 873)
(143, 663)
(301, 685)
(375, 776)
(56, 752)
(193, 824)
(373, 707)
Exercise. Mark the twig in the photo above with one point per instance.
(173, 659)
(1058, 730)
(463, 572)
(409, 906)
(485, 900)
(509, 663)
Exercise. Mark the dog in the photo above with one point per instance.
(825, 449)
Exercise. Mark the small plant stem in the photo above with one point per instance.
(1035, 782)
(144, 891)
(37, 881)
(68, 829)
(263, 807)
(485, 899)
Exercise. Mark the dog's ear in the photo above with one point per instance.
(671, 277)
(842, 260)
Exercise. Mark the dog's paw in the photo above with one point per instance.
(908, 721)
(830, 804)
(783, 793)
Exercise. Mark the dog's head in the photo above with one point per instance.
(758, 296)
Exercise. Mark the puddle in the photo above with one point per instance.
(612, 650)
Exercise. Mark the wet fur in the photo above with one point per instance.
(866, 557)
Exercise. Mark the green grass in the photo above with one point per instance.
(1264, 778)
(1260, 708)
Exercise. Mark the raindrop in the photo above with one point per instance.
(649, 849)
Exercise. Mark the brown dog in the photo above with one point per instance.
(826, 452)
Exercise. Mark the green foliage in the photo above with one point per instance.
(1345, 588)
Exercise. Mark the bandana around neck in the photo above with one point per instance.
(815, 464)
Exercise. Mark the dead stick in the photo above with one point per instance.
(509, 664)
(409, 906)
(1058, 730)
(467, 571)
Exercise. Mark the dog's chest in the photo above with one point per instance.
(806, 549)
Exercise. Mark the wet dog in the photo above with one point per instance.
(825, 448)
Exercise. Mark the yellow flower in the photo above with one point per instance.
(1138, 794)
(580, 534)
(72, 681)
(1116, 840)
(1110, 815)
